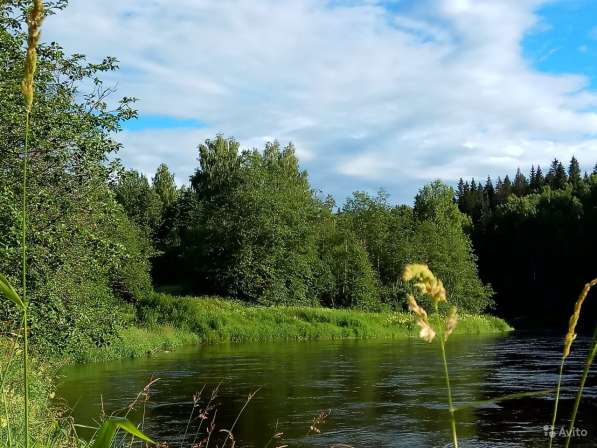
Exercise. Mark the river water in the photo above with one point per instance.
(373, 393)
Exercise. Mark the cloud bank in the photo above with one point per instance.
(388, 94)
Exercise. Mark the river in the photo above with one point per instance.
(378, 393)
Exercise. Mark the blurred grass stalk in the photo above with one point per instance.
(568, 340)
(426, 282)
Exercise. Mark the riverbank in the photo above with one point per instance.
(212, 320)
(166, 322)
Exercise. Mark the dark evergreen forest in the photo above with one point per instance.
(535, 237)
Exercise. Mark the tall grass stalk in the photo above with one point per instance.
(451, 408)
(556, 403)
(581, 387)
(24, 283)
(34, 20)
(427, 283)
(229, 432)
(568, 340)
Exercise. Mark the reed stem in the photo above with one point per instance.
(447, 377)
(581, 387)
(24, 281)
(555, 407)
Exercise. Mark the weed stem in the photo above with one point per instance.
(447, 377)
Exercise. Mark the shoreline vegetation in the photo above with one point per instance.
(167, 322)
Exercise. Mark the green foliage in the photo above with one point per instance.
(350, 280)
(253, 234)
(85, 258)
(432, 232)
(47, 427)
(164, 186)
(442, 243)
(217, 320)
(142, 203)
(252, 228)
(9, 292)
(137, 342)
(110, 426)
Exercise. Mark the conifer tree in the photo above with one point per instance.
(520, 185)
(532, 176)
(556, 177)
(505, 190)
(574, 172)
(489, 194)
(460, 194)
(539, 179)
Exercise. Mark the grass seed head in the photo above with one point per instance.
(571, 334)
(427, 332)
(34, 20)
(451, 322)
(425, 281)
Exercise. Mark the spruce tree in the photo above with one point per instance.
(556, 177)
(520, 185)
(460, 194)
(532, 176)
(489, 193)
(503, 189)
(574, 175)
(539, 179)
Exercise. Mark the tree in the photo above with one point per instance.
(164, 186)
(537, 181)
(441, 242)
(86, 258)
(574, 173)
(255, 237)
(350, 280)
(504, 190)
(556, 177)
(370, 220)
(520, 185)
(141, 203)
(489, 194)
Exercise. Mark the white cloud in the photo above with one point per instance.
(370, 96)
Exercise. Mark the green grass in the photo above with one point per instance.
(221, 320)
(48, 427)
(136, 342)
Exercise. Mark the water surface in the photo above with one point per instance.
(378, 393)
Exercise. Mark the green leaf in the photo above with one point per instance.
(105, 435)
(7, 290)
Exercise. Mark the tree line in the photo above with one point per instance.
(535, 238)
(251, 227)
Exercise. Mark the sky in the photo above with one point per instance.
(374, 94)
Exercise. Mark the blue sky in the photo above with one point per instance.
(565, 41)
(373, 94)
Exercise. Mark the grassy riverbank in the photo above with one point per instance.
(166, 322)
(220, 320)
